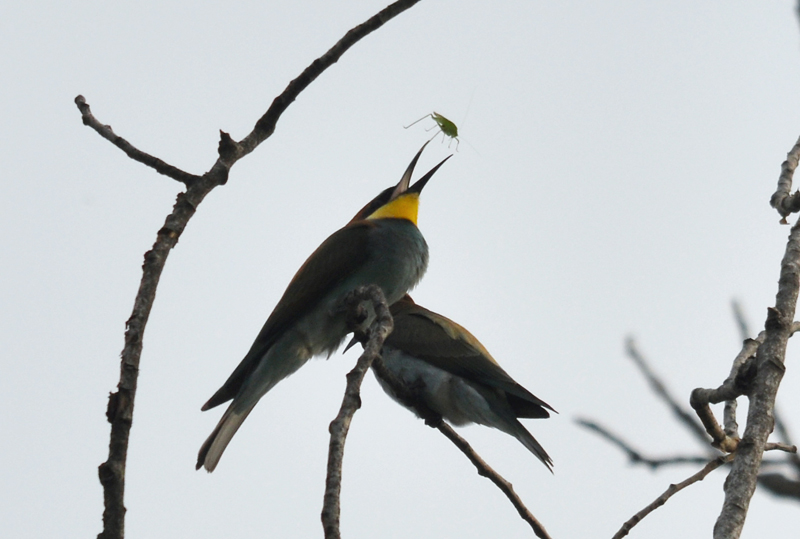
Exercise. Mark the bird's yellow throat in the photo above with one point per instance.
(405, 206)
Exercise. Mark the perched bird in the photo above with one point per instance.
(381, 245)
(452, 374)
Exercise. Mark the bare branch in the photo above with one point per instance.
(778, 446)
(380, 329)
(661, 390)
(782, 200)
(733, 387)
(699, 476)
(671, 490)
(266, 124)
(134, 153)
(120, 404)
(776, 483)
(737, 384)
(635, 456)
(486, 471)
(741, 482)
(231, 151)
(408, 396)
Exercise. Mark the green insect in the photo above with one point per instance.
(446, 127)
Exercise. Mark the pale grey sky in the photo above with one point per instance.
(613, 177)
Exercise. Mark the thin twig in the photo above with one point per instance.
(351, 402)
(674, 489)
(121, 403)
(408, 396)
(266, 124)
(635, 456)
(671, 490)
(134, 153)
(661, 390)
(486, 471)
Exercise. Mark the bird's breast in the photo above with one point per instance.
(398, 257)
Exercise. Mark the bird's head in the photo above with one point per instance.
(402, 200)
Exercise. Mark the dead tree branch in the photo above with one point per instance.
(777, 484)
(380, 329)
(120, 405)
(756, 373)
(134, 153)
(675, 488)
(783, 200)
(671, 491)
(488, 472)
(769, 366)
(736, 385)
(635, 456)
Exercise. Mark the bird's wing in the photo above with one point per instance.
(441, 342)
(338, 257)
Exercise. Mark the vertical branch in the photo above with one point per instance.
(741, 482)
(380, 329)
(120, 404)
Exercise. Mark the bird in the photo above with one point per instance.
(381, 245)
(451, 373)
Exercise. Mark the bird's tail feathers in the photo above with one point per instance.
(215, 445)
(521, 433)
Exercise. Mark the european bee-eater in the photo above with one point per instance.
(454, 375)
(381, 245)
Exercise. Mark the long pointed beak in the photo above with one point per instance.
(405, 181)
(420, 183)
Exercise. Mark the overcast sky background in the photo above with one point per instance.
(613, 178)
